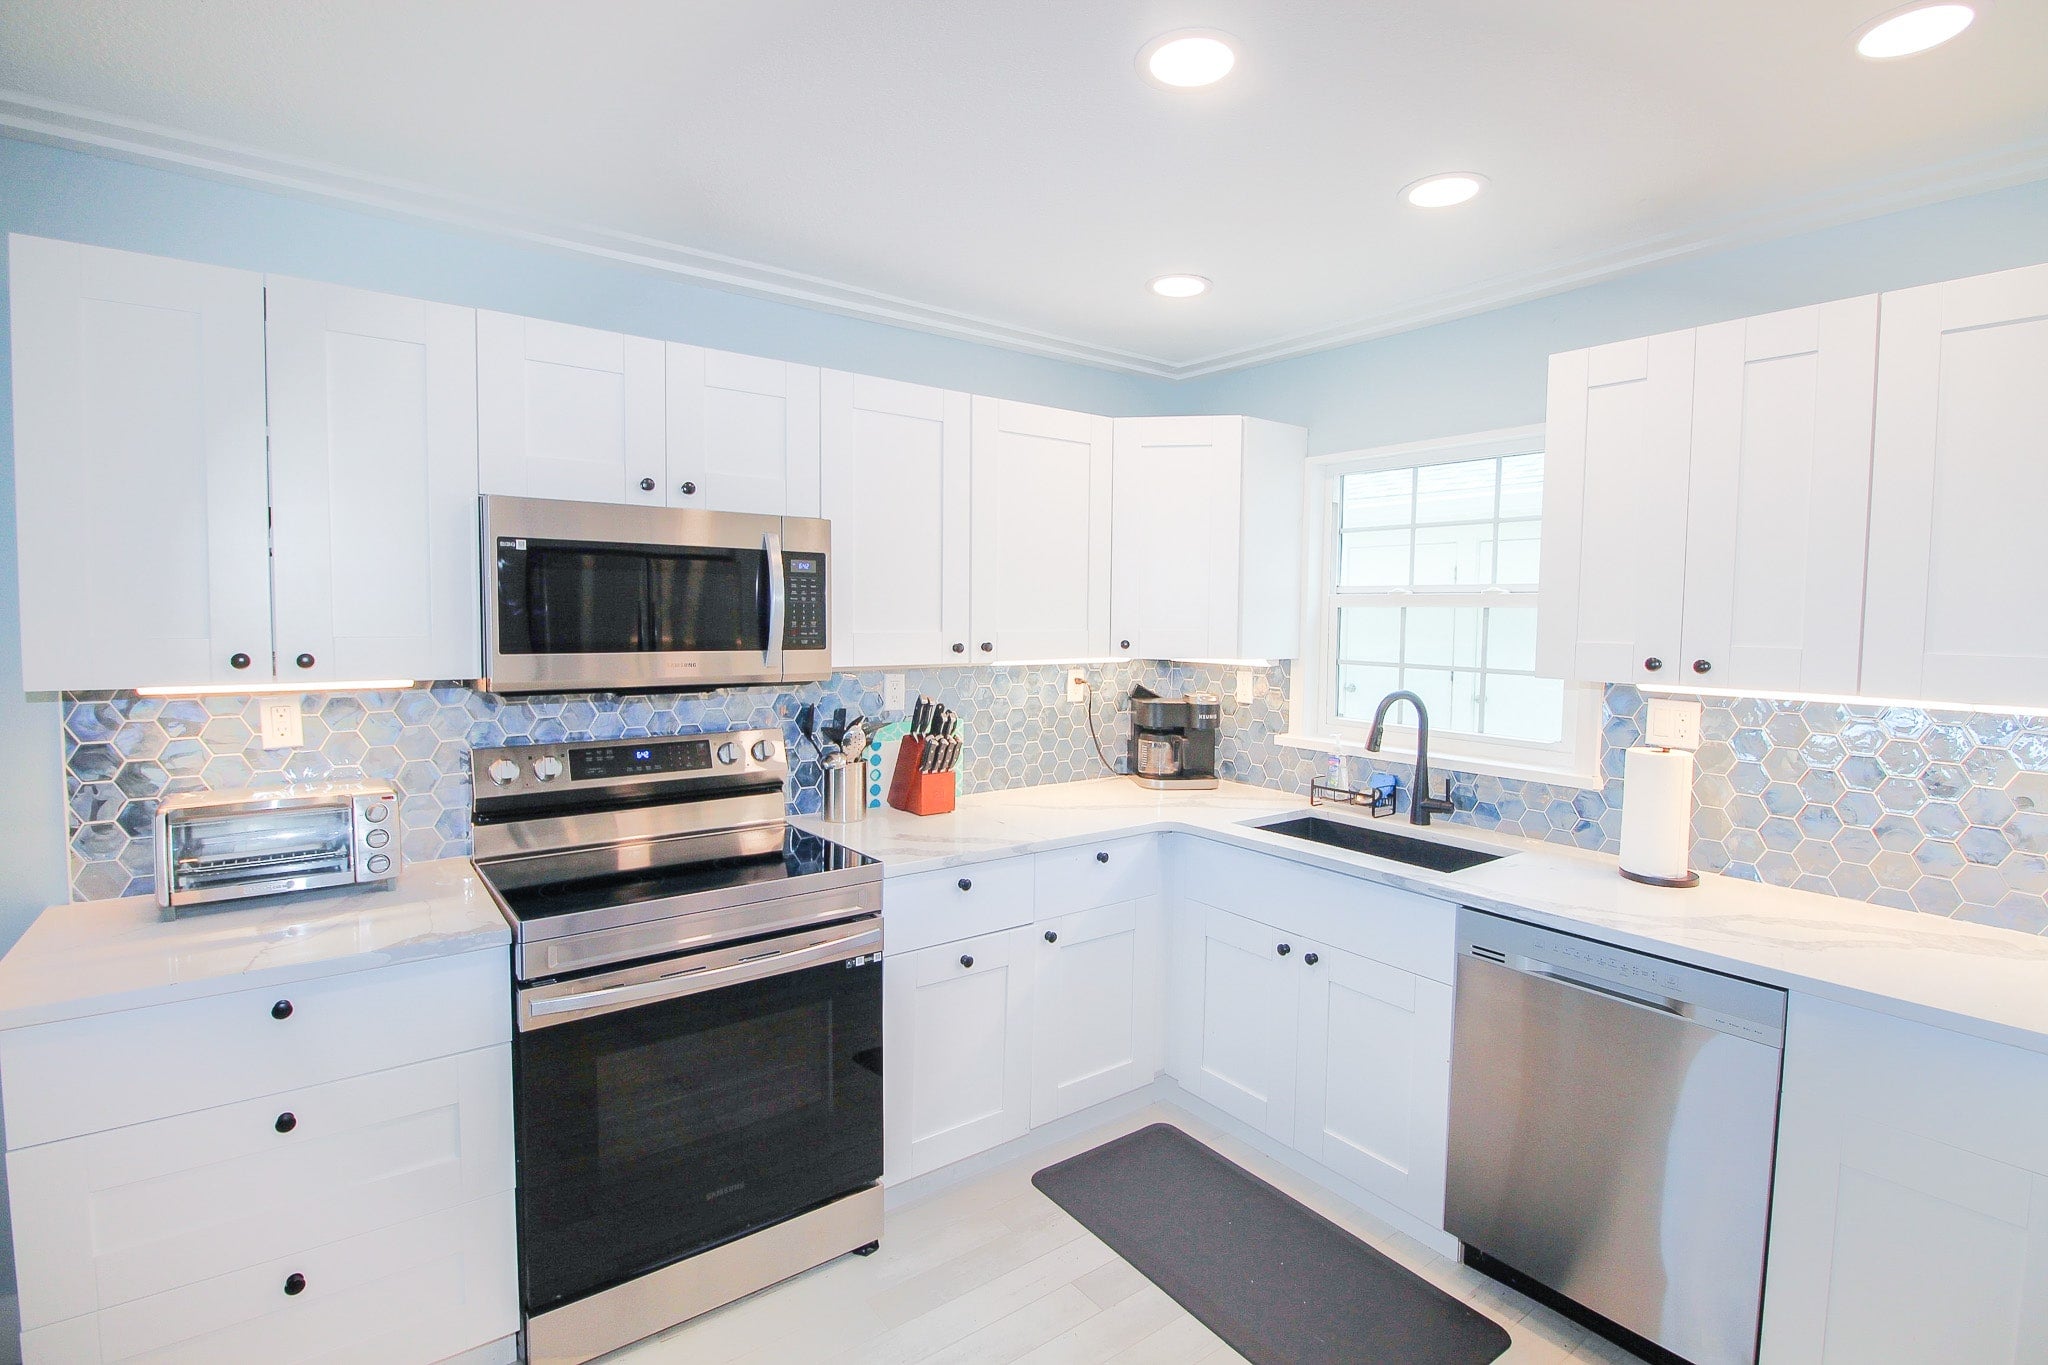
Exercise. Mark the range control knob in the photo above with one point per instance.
(547, 769)
(728, 752)
(763, 750)
(504, 772)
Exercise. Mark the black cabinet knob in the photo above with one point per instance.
(688, 489)
(1102, 857)
(1284, 949)
(646, 485)
(1123, 644)
(294, 1283)
(1311, 958)
(966, 884)
(281, 1010)
(304, 661)
(959, 649)
(988, 647)
(967, 959)
(1702, 666)
(1051, 936)
(238, 661)
(286, 1121)
(1653, 663)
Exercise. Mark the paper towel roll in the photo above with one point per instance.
(1656, 814)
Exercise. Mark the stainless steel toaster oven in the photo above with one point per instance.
(224, 845)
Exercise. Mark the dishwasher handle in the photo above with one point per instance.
(1663, 1004)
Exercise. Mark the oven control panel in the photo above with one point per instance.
(643, 758)
(803, 621)
(589, 766)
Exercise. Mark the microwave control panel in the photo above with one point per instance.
(803, 621)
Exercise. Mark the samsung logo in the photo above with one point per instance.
(723, 1190)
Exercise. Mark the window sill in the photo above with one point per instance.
(1446, 757)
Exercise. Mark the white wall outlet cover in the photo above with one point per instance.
(283, 727)
(1077, 686)
(1247, 686)
(1672, 722)
(892, 692)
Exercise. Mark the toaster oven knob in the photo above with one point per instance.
(728, 752)
(377, 814)
(763, 750)
(547, 769)
(378, 864)
(504, 772)
(377, 838)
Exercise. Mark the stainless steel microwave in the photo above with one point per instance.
(600, 597)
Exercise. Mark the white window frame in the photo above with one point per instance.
(1573, 761)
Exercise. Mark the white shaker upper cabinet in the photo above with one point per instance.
(1206, 556)
(1614, 512)
(895, 461)
(567, 412)
(1041, 532)
(373, 478)
(139, 469)
(742, 433)
(1780, 496)
(1959, 476)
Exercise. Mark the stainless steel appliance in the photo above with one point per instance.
(697, 1056)
(590, 596)
(1613, 1122)
(1173, 739)
(225, 845)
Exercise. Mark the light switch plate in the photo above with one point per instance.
(892, 693)
(283, 728)
(1247, 686)
(1077, 686)
(1672, 723)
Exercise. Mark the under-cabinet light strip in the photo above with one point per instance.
(251, 689)
(1921, 704)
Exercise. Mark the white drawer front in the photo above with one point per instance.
(1091, 875)
(406, 1295)
(117, 1216)
(88, 1075)
(959, 902)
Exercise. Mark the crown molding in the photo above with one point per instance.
(29, 117)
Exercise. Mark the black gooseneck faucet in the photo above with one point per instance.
(1421, 805)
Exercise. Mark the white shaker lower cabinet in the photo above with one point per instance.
(1232, 1029)
(569, 412)
(957, 1023)
(1909, 1215)
(275, 1197)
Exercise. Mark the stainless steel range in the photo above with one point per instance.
(697, 1068)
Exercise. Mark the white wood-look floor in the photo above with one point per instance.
(993, 1271)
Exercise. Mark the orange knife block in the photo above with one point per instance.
(916, 792)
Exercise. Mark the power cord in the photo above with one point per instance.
(1088, 681)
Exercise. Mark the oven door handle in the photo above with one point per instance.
(537, 1011)
(778, 601)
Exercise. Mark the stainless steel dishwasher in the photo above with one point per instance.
(1613, 1121)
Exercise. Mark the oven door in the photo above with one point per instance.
(666, 1108)
(583, 596)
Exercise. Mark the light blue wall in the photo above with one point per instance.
(1489, 370)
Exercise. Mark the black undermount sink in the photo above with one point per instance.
(1379, 843)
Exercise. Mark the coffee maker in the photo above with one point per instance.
(1173, 739)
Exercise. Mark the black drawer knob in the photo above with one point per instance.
(1052, 936)
(1311, 958)
(1123, 644)
(238, 661)
(295, 1283)
(959, 649)
(967, 959)
(1284, 949)
(281, 1010)
(1653, 663)
(688, 489)
(1702, 666)
(304, 661)
(966, 884)
(286, 1121)
(646, 485)
(988, 647)
(1102, 857)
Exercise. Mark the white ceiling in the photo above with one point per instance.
(1000, 171)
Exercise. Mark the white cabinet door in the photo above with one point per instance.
(1041, 532)
(1614, 512)
(895, 460)
(1233, 1008)
(1960, 472)
(1097, 1006)
(567, 412)
(1372, 1096)
(742, 433)
(139, 469)
(1175, 550)
(373, 482)
(1780, 500)
(1909, 1213)
(957, 1019)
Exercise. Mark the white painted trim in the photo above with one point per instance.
(65, 125)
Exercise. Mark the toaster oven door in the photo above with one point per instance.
(213, 855)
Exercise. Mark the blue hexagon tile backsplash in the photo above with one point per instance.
(1941, 812)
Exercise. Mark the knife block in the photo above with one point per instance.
(916, 792)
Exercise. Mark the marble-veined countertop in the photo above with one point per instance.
(95, 957)
(1967, 977)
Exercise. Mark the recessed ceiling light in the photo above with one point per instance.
(1188, 59)
(1443, 191)
(1913, 29)
(1179, 286)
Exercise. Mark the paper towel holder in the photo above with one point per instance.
(1689, 879)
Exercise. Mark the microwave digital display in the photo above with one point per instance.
(635, 760)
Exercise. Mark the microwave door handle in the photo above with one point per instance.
(778, 601)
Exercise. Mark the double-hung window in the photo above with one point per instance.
(1426, 574)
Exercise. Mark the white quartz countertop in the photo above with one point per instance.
(95, 957)
(1967, 977)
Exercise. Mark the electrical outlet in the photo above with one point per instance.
(1077, 686)
(892, 693)
(1672, 723)
(283, 728)
(1247, 686)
